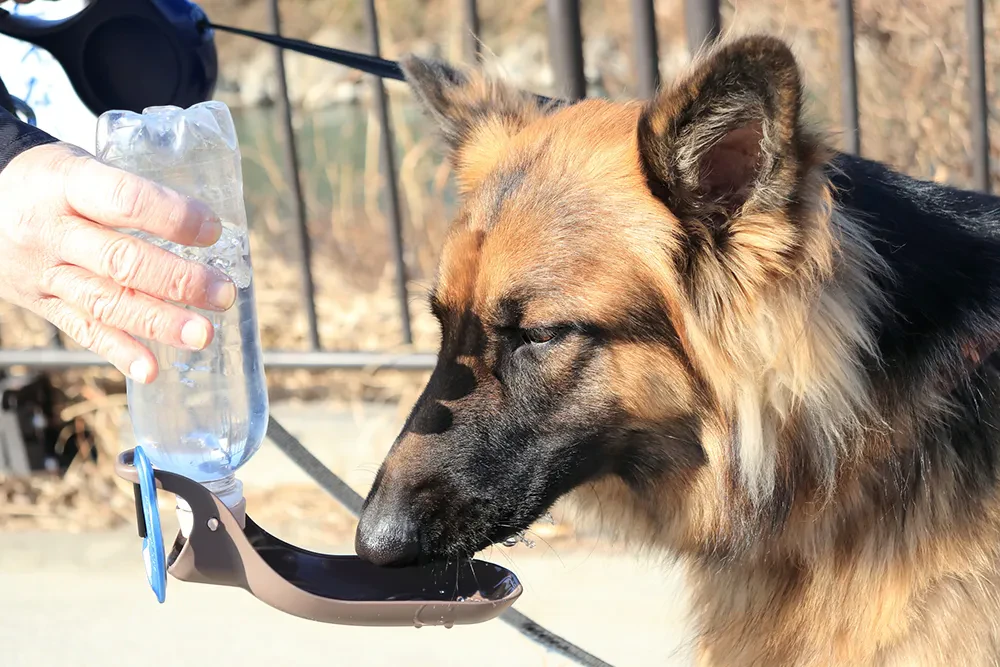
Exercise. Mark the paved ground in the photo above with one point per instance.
(82, 600)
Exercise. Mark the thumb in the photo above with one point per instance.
(116, 198)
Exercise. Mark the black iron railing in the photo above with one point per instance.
(980, 108)
(849, 78)
(703, 24)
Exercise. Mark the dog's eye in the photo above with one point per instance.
(538, 336)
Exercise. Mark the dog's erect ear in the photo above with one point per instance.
(726, 139)
(477, 115)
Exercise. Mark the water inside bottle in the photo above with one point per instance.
(206, 413)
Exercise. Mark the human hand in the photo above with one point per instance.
(64, 260)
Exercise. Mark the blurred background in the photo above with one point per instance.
(914, 112)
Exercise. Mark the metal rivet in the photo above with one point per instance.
(213, 524)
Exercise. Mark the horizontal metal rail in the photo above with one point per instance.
(56, 359)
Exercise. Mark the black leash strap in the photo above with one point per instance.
(349, 498)
(381, 67)
(6, 101)
(313, 467)
(387, 69)
(549, 639)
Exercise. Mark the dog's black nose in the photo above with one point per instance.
(387, 539)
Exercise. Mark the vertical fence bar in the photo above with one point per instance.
(470, 34)
(56, 340)
(566, 48)
(389, 173)
(979, 113)
(646, 54)
(298, 201)
(703, 22)
(849, 78)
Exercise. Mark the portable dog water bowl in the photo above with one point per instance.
(341, 589)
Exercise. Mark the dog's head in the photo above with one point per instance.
(597, 294)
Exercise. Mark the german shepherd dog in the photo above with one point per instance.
(767, 358)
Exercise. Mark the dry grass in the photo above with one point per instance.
(914, 115)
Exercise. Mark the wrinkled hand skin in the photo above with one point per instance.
(65, 260)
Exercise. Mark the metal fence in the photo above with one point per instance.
(703, 23)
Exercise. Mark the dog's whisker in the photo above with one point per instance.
(503, 552)
(475, 577)
(551, 548)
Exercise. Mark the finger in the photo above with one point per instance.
(116, 198)
(124, 352)
(135, 313)
(141, 266)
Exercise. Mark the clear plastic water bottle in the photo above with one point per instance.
(206, 412)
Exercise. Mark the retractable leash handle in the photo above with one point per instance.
(128, 54)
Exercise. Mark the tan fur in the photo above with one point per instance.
(774, 326)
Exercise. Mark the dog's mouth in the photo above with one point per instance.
(462, 543)
(519, 534)
(416, 515)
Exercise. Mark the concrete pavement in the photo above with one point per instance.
(82, 600)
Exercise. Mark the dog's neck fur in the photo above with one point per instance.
(910, 530)
(913, 300)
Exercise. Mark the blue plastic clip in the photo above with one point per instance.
(152, 544)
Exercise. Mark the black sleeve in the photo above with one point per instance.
(17, 136)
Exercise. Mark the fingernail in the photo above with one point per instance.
(140, 370)
(211, 230)
(194, 334)
(222, 294)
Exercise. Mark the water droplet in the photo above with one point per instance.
(547, 518)
(518, 538)
(449, 624)
(460, 598)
